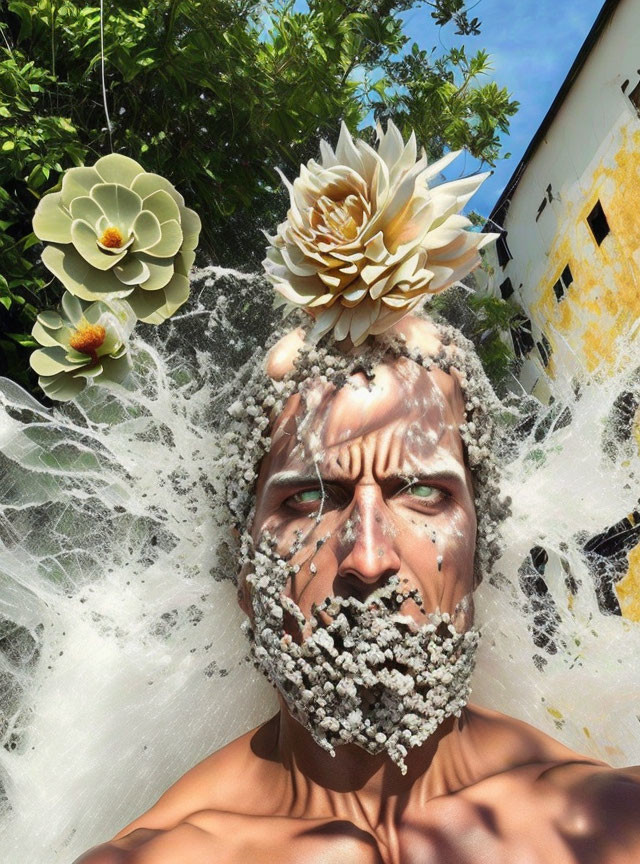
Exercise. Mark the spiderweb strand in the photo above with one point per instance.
(104, 89)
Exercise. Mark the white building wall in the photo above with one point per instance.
(592, 125)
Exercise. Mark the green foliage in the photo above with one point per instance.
(485, 320)
(214, 96)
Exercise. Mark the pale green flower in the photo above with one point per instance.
(82, 342)
(117, 230)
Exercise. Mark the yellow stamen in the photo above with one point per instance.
(112, 238)
(338, 218)
(88, 339)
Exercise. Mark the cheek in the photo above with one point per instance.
(441, 549)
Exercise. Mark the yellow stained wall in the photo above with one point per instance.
(603, 301)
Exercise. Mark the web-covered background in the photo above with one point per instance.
(123, 663)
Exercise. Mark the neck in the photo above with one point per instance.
(438, 767)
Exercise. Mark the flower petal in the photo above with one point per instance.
(132, 271)
(78, 276)
(51, 361)
(77, 182)
(72, 308)
(160, 271)
(84, 207)
(341, 330)
(363, 315)
(191, 227)
(169, 243)
(184, 262)
(146, 229)
(44, 337)
(86, 243)
(116, 168)
(50, 319)
(50, 221)
(391, 144)
(89, 371)
(148, 183)
(119, 204)
(325, 321)
(162, 205)
(145, 304)
(61, 387)
(115, 369)
(176, 293)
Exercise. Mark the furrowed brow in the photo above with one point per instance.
(446, 476)
(290, 479)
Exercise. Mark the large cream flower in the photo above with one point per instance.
(366, 238)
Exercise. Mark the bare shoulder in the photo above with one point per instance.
(516, 742)
(220, 782)
(231, 838)
(609, 795)
(185, 842)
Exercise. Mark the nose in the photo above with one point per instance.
(369, 555)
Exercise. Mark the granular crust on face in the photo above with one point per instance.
(331, 687)
(459, 374)
(366, 673)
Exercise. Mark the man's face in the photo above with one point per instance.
(371, 482)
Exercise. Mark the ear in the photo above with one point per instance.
(244, 592)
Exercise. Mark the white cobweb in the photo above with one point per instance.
(123, 663)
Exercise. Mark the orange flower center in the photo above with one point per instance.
(112, 238)
(88, 339)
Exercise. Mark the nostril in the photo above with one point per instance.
(353, 583)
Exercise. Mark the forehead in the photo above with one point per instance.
(406, 414)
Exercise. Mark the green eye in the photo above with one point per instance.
(307, 496)
(420, 490)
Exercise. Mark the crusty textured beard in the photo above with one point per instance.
(367, 673)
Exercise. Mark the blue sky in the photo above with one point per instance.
(532, 44)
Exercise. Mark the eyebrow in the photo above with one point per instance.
(290, 479)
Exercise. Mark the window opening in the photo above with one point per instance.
(506, 289)
(598, 223)
(634, 97)
(544, 348)
(504, 255)
(522, 337)
(561, 286)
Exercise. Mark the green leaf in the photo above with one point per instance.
(23, 339)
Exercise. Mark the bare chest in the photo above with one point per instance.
(508, 819)
(513, 819)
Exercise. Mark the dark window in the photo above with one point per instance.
(504, 255)
(541, 208)
(598, 223)
(522, 338)
(506, 289)
(634, 96)
(563, 283)
(558, 290)
(624, 85)
(544, 348)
